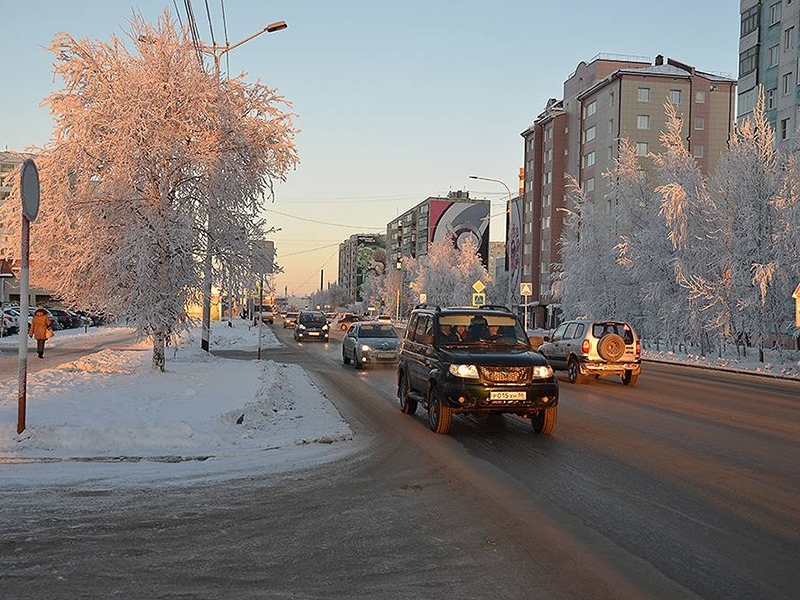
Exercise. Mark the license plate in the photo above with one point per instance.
(313, 333)
(507, 396)
(385, 355)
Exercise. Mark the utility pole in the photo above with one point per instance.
(217, 52)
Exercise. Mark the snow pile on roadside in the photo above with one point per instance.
(226, 415)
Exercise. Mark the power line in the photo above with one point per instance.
(210, 27)
(307, 251)
(177, 13)
(348, 225)
(227, 41)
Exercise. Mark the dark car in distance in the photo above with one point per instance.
(311, 325)
(476, 361)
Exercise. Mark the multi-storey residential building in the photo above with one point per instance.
(353, 262)
(455, 218)
(577, 138)
(768, 61)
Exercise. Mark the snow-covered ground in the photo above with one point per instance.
(108, 415)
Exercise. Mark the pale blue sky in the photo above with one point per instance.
(396, 101)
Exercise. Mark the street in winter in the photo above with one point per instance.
(440, 300)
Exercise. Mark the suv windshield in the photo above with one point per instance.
(466, 330)
(313, 319)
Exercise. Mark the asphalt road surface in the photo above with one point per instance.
(685, 486)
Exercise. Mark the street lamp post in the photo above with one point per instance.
(508, 221)
(217, 52)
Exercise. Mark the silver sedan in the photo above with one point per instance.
(370, 343)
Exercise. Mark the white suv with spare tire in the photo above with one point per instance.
(586, 348)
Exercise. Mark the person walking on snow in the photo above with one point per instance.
(41, 328)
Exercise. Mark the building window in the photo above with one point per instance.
(771, 98)
(528, 249)
(643, 122)
(642, 148)
(644, 94)
(774, 55)
(590, 134)
(526, 270)
(746, 102)
(699, 123)
(548, 178)
(588, 185)
(545, 267)
(748, 61)
(546, 223)
(591, 108)
(545, 245)
(775, 13)
(787, 83)
(749, 21)
(611, 98)
(674, 96)
(549, 133)
(700, 97)
(611, 126)
(784, 129)
(698, 152)
(548, 156)
(610, 153)
(788, 39)
(588, 159)
(544, 289)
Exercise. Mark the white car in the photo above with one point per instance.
(370, 342)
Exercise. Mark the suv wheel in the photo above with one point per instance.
(408, 406)
(574, 371)
(629, 378)
(545, 420)
(439, 415)
(611, 347)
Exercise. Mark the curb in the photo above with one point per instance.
(795, 378)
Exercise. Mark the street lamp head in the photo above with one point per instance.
(276, 26)
(473, 177)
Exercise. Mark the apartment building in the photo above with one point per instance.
(455, 218)
(354, 257)
(769, 60)
(576, 139)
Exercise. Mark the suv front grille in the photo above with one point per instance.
(506, 375)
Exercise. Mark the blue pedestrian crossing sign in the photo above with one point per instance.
(478, 299)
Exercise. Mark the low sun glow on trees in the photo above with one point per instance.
(146, 142)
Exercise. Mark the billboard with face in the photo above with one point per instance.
(514, 250)
(459, 221)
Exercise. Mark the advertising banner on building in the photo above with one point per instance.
(514, 249)
(460, 221)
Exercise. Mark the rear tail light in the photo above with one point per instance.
(638, 348)
(586, 346)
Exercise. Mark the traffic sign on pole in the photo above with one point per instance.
(478, 299)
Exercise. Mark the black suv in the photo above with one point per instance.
(473, 360)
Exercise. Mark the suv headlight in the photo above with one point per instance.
(324, 328)
(542, 372)
(465, 371)
(365, 348)
(300, 327)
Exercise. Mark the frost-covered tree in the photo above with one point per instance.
(446, 274)
(152, 156)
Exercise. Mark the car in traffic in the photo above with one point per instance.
(311, 325)
(346, 320)
(475, 361)
(592, 348)
(289, 320)
(265, 312)
(370, 343)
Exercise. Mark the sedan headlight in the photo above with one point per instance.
(366, 348)
(465, 371)
(542, 372)
(324, 328)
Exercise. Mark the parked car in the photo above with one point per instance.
(370, 343)
(311, 325)
(11, 320)
(594, 348)
(290, 320)
(489, 368)
(62, 316)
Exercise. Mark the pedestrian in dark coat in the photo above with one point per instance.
(41, 329)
